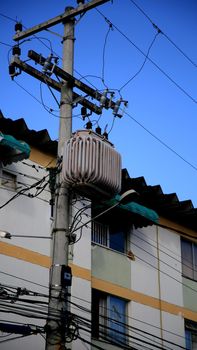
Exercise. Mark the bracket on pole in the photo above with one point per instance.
(16, 62)
(72, 80)
(58, 19)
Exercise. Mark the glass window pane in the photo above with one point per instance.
(117, 319)
(117, 241)
(188, 339)
(187, 258)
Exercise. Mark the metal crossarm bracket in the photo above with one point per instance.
(58, 19)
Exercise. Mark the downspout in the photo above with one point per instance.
(159, 285)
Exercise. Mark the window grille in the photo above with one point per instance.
(100, 233)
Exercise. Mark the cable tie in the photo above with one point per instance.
(60, 229)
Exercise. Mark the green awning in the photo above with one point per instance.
(143, 216)
(12, 150)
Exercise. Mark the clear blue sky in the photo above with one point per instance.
(155, 102)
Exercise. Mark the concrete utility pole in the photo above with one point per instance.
(58, 320)
(58, 306)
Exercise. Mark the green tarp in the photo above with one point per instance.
(12, 150)
(143, 215)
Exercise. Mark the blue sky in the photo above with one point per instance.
(157, 104)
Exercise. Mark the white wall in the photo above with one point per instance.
(25, 216)
(144, 273)
(81, 256)
(17, 273)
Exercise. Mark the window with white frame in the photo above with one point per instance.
(189, 259)
(108, 317)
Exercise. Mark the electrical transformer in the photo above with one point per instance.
(91, 164)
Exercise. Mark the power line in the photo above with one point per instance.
(104, 49)
(141, 332)
(2, 43)
(22, 191)
(28, 313)
(7, 17)
(165, 35)
(134, 329)
(144, 54)
(23, 279)
(143, 260)
(89, 311)
(160, 141)
(162, 251)
(15, 338)
(143, 64)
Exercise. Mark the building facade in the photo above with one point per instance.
(134, 281)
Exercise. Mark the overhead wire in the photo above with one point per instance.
(148, 58)
(140, 258)
(39, 314)
(15, 338)
(143, 64)
(9, 288)
(145, 260)
(154, 136)
(164, 252)
(161, 142)
(128, 328)
(7, 17)
(165, 35)
(2, 43)
(104, 50)
(22, 191)
(29, 195)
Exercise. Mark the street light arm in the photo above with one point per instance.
(122, 199)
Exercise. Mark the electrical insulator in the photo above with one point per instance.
(105, 134)
(12, 71)
(116, 107)
(83, 112)
(88, 125)
(80, 2)
(98, 130)
(103, 98)
(47, 64)
(18, 27)
(16, 50)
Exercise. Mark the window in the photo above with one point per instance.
(8, 180)
(110, 235)
(108, 317)
(191, 335)
(189, 259)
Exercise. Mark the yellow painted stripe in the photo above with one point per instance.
(24, 254)
(108, 287)
(81, 272)
(141, 298)
(39, 259)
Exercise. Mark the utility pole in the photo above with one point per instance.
(60, 275)
(56, 330)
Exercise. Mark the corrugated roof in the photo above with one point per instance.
(166, 205)
(18, 128)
